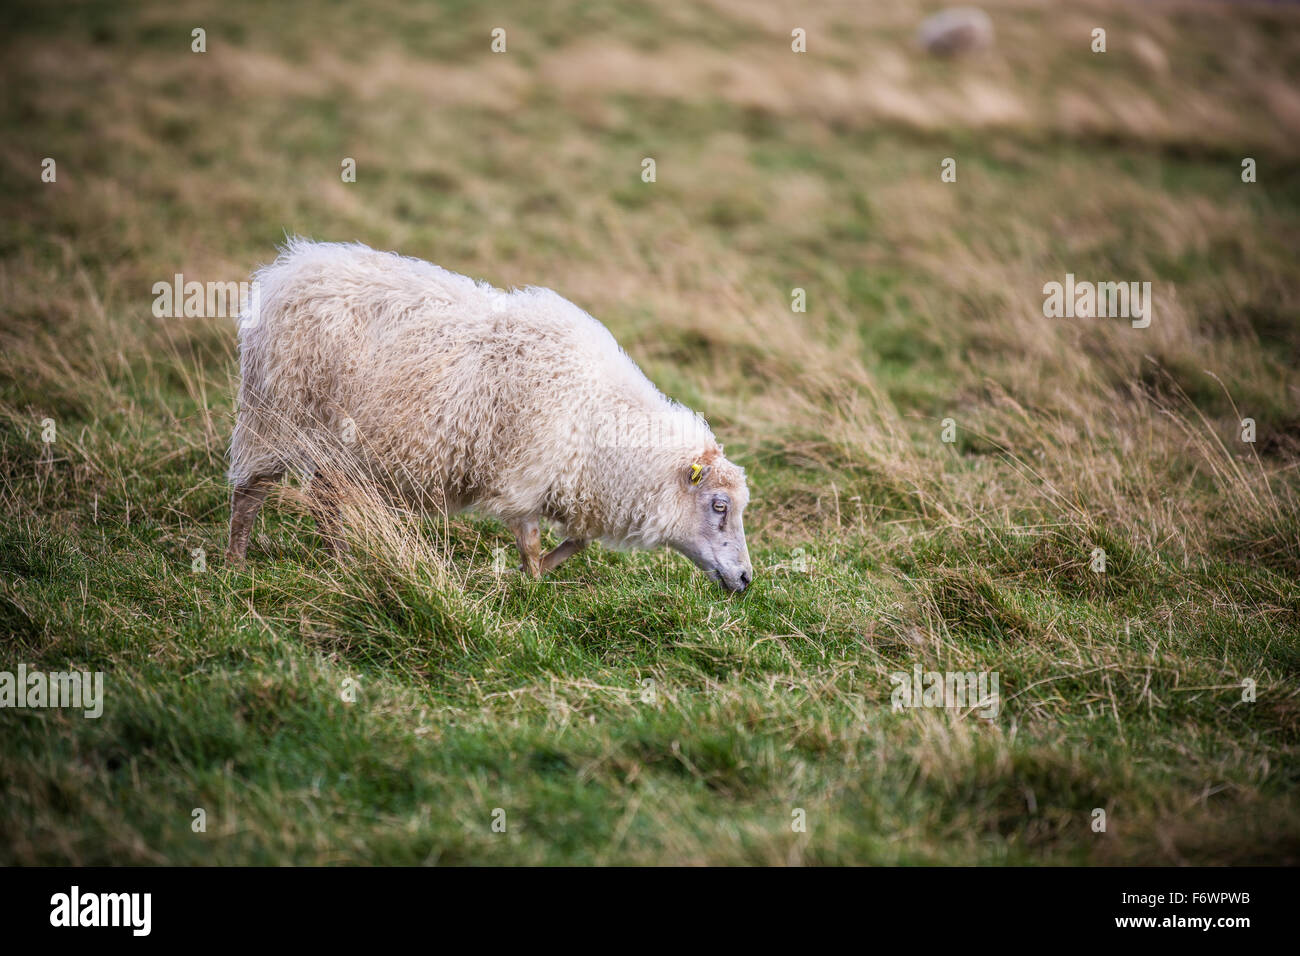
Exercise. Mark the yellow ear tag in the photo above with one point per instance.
(697, 473)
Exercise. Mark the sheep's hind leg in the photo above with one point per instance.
(528, 538)
(323, 502)
(561, 553)
(245, 502)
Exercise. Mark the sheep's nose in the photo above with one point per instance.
(745, 578)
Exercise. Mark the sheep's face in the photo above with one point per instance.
(714, 496)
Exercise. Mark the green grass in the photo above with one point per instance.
(623, 710)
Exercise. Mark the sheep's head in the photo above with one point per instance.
(711, 526)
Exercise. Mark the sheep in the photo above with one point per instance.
(518, 405)
(955, 31)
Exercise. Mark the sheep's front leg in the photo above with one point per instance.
(561, 553)
(528, 538)
(245, 501)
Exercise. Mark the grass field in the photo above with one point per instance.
(877, 545)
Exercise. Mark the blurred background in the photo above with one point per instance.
(775, 170)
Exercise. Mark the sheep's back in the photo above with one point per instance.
(445, 385)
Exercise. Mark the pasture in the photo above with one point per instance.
(624, 710)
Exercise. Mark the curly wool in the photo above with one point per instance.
(515, 404)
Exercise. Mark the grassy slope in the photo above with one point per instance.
(774, 171)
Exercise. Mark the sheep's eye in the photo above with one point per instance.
(720, 507)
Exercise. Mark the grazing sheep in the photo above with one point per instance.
(460, 396)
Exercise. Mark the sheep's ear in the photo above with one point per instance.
(696, 474)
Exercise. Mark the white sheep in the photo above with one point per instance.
(955, 31)
(460, 396)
